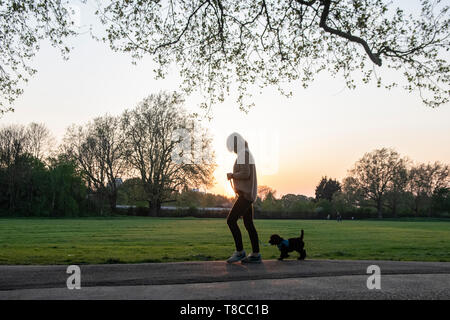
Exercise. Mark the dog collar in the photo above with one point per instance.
(283, 243)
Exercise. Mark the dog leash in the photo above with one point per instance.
(263, 244)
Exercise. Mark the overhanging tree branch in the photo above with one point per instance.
(323, 24)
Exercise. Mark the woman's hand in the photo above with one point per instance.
(229, 176)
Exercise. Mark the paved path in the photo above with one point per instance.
(310, 279)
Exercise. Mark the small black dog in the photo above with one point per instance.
(292, 244)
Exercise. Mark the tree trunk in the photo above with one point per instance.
(379, 210)
(416, 207)
(394, 208)
(53, 202)
(153, 205)
(113, 202)
(11, 194)
(430, 211)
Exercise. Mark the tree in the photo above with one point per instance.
(34, 139)
(13, 158)
(23, 24)
(323, 207)
(441, 200)
(131, 192)
(40, 140)
(195, 199)
(342, 203)
(217, 43)
(67, 188)
(397, 185)
(13, 143)
(373, 174)
(167, 148)
(263, 191)
(270, 203)
(28, 185)
(99, 149)
(326, 188)
(289, 200)
(302, 204)
(352, 193)
(425, 180)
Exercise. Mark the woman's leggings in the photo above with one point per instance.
(243, 207)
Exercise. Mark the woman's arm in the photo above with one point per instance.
(242, 172)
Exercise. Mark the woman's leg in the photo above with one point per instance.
(248, 222)
(238, 210)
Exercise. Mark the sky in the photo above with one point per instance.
(322, 130)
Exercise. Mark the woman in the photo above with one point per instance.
(245, 186)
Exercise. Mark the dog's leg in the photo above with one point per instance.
(302, 255)
(283, 255)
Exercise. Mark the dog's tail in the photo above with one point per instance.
(301, 235)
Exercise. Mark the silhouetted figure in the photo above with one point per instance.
(244, 184)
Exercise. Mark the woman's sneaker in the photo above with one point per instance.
(252, 259)
(237, 256)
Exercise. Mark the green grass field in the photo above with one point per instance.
(134, 240)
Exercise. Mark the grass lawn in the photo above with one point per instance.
(135, 239)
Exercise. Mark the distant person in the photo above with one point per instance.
(243, 179)
(328, 217)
